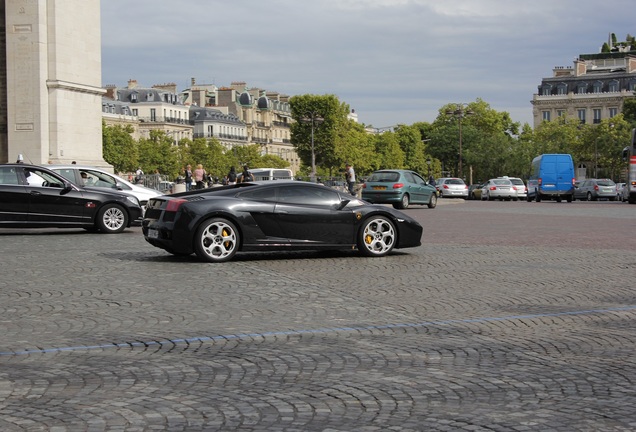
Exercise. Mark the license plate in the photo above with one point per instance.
(153, 233)
(379, 187)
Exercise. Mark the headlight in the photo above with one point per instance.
(133, 200)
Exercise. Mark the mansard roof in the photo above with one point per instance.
(206, 114)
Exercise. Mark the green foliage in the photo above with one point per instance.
(119, 148)
(388, 150)
(629, 111)
(158, 153)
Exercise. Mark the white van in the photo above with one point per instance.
(272, 174)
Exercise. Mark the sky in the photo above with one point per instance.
(392, 61)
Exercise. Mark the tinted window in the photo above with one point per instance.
(384, 177)
(308, 195)
(8, 176)
(606, 183)
(263, 194)
(37, 177)
(455, 181)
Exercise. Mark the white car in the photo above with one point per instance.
(92, 177)
(451, 187)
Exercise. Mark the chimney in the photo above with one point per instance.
(132, 84)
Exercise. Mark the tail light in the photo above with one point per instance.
(364, 185)
(445, 186)
(398, 185)
(595, 187)
(173, 205)
(493, 187)
(540, 181)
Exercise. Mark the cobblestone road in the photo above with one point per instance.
(511, 317)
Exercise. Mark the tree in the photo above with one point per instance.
(119, 148)
(158, 153)
(388, 150)
(333, 115)
(410, 140)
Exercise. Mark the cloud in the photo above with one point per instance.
(394, 61)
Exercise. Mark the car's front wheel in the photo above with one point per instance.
(111, 219)
(377, 237)
(432, 203)
(216, 240)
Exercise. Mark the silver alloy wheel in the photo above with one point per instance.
(217, 240)
(378, 237)
(112, 219)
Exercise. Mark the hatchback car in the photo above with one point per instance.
(498, 188)
(400, 188)
(92, 177)
(594, 189)
(619, 191)
(452, 187)
(36, 197)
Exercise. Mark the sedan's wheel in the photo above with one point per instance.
(432, 203)
(377, 237)
(589, 196)
(112, 219)
(216, 240)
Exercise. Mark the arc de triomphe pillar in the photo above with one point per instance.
(52, 82)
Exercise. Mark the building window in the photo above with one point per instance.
(613, 112)
(596, 112)
(546, 90)
(545, 115)
(133, 97)
(562, 89)
(581, 88)
(597, 87)
(560, 113)
(581, 115)
(613, 86)
(135, 112)
(153, 114)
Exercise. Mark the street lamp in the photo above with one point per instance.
(428, 162)
(314, 119)
(461, 110)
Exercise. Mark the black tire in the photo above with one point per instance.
(538, 197)
(111, 219)
(589, 196)
(432, 203)
(558, 199)
(216, 240)
(569, 198)
(404, 204)
(377, 237)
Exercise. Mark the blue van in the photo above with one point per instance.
(551, 177)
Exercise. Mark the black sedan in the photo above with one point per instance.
(282, 215)
(36, 197)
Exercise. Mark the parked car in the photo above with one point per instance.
(400, 188)
(37, 197)
(594, 189)
(520, 186)
(619, 191)
(474, 191)
(498, 188)
(452, 187)
(92, 177)
(274, 215)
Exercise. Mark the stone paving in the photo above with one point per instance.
(512, 316)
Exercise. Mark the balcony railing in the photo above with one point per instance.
(172, 120)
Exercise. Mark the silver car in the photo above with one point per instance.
(499, 188)
(452, 187)
(522, 189)
(594, 189)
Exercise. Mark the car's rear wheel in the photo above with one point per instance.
(404, 203)
(589, 196)
(216, 240)
(111, 219)
(377, 237)
(432, 203)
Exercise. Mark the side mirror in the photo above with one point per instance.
(67, 188)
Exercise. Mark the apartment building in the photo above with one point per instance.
(592, 90)
(214, 123)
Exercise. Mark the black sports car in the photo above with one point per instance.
(282, 215)
(36, 197)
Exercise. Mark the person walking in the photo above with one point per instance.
(247, 175)
(231, 176)
(350, 176)
(199, 176)
(188, 177)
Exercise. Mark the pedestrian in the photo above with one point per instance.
(231, 176)
(199, 176)
(188, 177)
(247, 175)
(431, 180)
(139, 175)
(350, 176)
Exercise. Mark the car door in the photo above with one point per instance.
(420, 186)
(14, 199)
(50, 203)
(310, 214)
